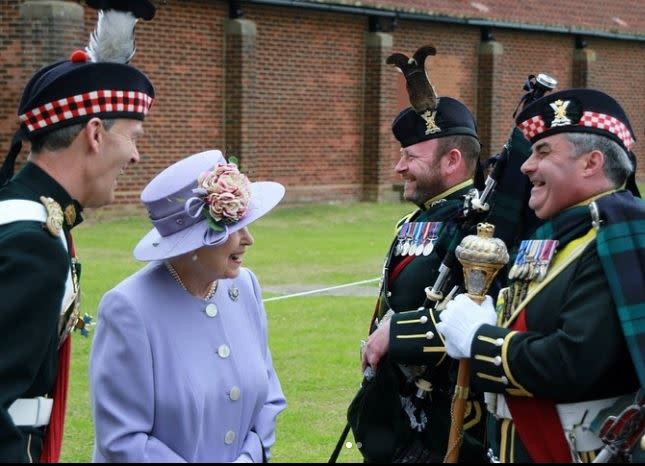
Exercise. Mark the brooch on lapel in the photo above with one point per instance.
(233, 293)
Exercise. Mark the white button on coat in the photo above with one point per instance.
(229, 437)
(211, 310)
(235, 393)
(224, 351)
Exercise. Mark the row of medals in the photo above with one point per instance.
(533, 259)
(531, 265)
(417, 238)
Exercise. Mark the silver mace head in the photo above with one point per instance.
(481, 257)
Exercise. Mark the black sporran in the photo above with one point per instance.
(380, 426)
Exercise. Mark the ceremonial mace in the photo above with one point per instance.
(481, 257)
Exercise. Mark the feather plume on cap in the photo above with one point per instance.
(420, 91)
(113, 38)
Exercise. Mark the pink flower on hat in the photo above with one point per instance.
(227, 193)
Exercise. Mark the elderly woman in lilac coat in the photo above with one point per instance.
(180, 368)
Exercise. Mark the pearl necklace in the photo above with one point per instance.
(175, 275)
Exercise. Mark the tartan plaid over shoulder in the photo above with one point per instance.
(621, 248)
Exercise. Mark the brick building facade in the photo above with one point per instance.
(299, 90)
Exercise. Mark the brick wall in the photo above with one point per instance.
(618, 71)
(527, 53)
(182, 51)
(11, 71)
(310, 85)
(303, 118)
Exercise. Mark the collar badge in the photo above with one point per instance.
(70, 215)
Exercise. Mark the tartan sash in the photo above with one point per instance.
(566, 226)
(621, 248)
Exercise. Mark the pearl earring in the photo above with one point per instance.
(194, 258)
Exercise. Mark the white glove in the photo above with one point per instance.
(244, 458)
(460, 321)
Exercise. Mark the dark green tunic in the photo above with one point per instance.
(33, 270)
(572, 351)
(407, 343)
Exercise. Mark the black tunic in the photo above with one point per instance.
(409, 345)
(34, 266)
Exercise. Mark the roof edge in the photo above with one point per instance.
(477, 22)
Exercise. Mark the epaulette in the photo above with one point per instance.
(54, 222)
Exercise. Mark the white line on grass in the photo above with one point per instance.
(320, 290)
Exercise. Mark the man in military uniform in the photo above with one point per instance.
(557, 352)
(82, 117)
(403, 413)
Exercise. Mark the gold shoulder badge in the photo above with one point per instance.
(54, 222)
(560, 113)
(431, 126)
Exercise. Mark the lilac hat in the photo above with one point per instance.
(199, 201)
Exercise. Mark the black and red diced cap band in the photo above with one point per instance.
(450, 118)
(75, 90)
(576, 110)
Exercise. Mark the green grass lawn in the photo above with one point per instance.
(314, 339)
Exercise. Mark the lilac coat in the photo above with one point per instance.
(168, 383)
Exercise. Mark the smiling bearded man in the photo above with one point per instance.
(392, 418)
